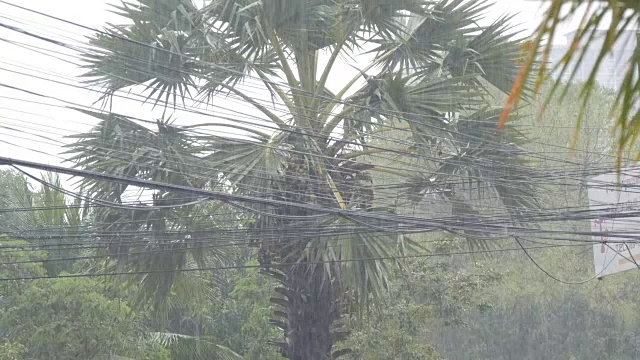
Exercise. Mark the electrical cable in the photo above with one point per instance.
(275, 265)
(324, 212)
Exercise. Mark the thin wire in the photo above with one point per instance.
(275, 265)
(402, 113)
(428, 224)
(547, 273)
(98, 31)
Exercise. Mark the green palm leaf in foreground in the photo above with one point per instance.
(625, 17)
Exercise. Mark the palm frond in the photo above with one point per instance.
(169, 237)
(482, 166)
(241, 23)
(144, 54)
(494, 55)
(382, 18)
(364, 261)
(412, 99)
(164, 14)
(426, 38)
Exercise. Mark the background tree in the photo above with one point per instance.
(69, 319)
(45, 216)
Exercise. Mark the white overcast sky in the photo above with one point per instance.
(31, 127)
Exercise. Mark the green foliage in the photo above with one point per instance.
(245, 307)
(44, 216)
(230, 317)
(71, 319)
(533, 317)
(429, 296)
(390, 339)
(60, 220)
(12, 350)
(249, 299)
(15, 193)
(18, 259)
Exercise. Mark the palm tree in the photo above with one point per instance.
(430, 81)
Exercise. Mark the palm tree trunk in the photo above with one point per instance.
(310, 313)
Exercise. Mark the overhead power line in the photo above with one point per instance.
(276, 265)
